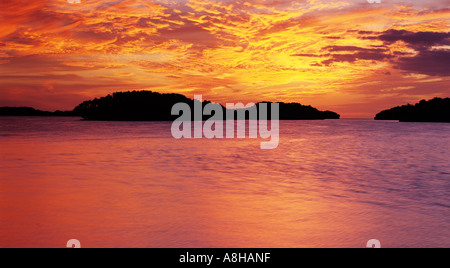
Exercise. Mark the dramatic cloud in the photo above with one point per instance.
(416, 40)
(430, 62)
(330, 54)
(432, 55)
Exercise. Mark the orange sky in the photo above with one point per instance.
(348, 56)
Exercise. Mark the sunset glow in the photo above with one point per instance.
(348, 56)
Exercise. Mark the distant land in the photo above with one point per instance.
(28, 111)
(435, 110)
(153, 106)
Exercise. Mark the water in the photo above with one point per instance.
(334, 183)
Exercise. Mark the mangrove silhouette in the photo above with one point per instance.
(152, 106)
(435, 110)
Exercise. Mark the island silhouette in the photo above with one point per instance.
(153, 106)
(435, 110)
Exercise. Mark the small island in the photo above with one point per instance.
(435, 110)
(153, 106)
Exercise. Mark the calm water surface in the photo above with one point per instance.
(334, 183)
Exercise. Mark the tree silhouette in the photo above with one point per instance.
(435, 110)
(152, 106)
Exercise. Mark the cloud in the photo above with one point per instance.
(355, 49)
(357, 53)
(230, 49)
(432, 57)
(417, 40)
(371, 56)
(429, 62)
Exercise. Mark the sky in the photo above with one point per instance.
(349, 56)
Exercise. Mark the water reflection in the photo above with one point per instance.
(130, 184)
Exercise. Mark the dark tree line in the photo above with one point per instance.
(27, 111)
(435, 110)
